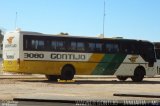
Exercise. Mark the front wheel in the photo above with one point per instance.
(122, 78)
(67, 73)
(138, 75)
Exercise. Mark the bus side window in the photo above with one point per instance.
(91, 47)
(40, 45)
(127, 48)
(98, 47)
(72, 46)
(108, 48)
(60, 45)
(34, 44)
(26, 45)
(53, 45)
(80, 46)
(135, 48)
(116, 48)
(48, 45)
(112, 48)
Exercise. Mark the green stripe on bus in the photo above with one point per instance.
(109, 64)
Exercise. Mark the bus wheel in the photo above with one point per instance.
(67, 72)
(122, 78)
(138, 74)
(52, 77)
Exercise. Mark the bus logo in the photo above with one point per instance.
(133, 59)
(10, 39)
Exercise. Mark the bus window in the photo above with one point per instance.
(80, 46)
(53, 45)
(73, 46)
(26, 44)
(134, 49)
(91, 47)
(34, 44)
(116, 48)
(40, 45)
(112, 48)
(127, 48)
(48, 45)
(124, 48)
(61, 45)
(98, 47)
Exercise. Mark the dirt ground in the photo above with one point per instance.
(82, 88)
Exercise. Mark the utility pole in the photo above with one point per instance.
(104, 14)
(15, 23)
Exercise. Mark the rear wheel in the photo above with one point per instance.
(67, 73)
(138, 75)
(52, 77)
(122, 78)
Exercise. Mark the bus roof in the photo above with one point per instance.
(73, 36)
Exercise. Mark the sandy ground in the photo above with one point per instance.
(81, 88)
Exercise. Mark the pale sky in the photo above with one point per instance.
(132, 19)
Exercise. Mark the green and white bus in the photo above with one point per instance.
(63, 56)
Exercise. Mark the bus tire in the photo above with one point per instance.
(67, 72)
(122, 78)
(138, 74)
(52, 77)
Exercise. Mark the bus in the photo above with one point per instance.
(63, 56)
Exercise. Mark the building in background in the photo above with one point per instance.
(1, 39)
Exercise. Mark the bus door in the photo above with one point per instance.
(148, 53)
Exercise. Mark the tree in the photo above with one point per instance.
(1, 35)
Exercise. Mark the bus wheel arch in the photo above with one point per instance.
(67, 72)
(122, 78)
(139, 73)
(52, 77)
